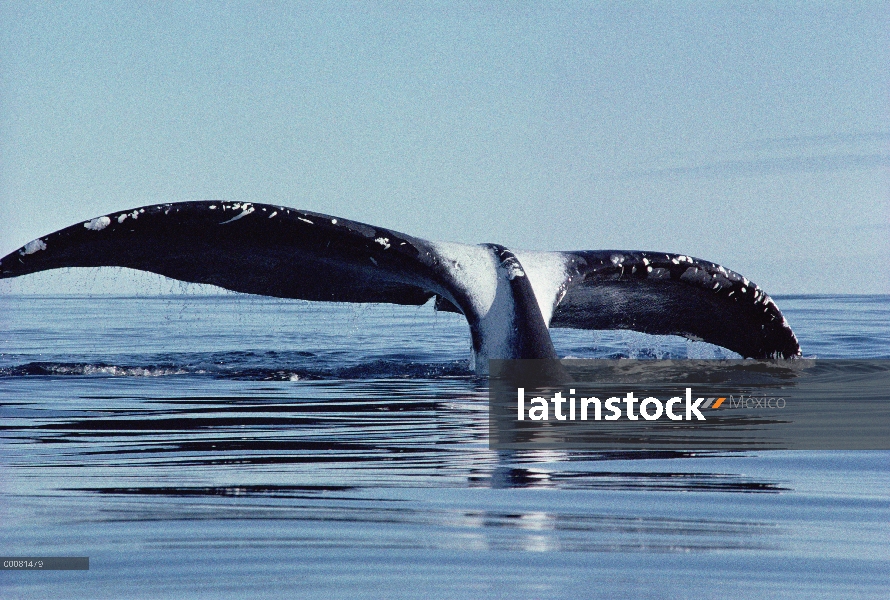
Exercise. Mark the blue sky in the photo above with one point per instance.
(756, 136)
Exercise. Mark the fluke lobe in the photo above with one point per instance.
(509, 298)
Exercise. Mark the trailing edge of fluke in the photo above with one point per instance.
(509, 298)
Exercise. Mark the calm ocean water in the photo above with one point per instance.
(207, 446)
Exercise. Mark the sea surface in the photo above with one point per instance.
(237, 446)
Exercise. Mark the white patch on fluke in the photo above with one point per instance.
(98, 224)
(306, 220)
(474, 269)
(122, 218)
(33, 246)
(245, 210)
(513, 269)
(383, 242)
(477, 273)
(547, 273)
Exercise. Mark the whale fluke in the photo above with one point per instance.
(509, 298)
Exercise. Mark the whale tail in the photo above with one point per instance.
(509, 298)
